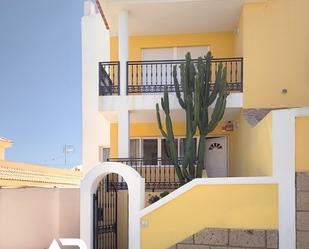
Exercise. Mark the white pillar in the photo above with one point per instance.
(123, 50)
(123, 133)
(95, 48)
(283, 139)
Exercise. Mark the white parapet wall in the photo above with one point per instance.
(148, 102)
(283, 139)
(95, 49)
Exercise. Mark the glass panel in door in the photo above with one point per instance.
(150, 151)
(135, 148)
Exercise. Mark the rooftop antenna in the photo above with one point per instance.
(67, 149)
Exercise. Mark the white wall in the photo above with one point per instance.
(95, 48)
(31, 218)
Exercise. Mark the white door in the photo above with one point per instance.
(216, 157)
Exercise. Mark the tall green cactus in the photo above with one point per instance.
(196, 98)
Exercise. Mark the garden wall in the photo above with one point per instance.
(30, 218)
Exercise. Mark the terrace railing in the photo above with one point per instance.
(151, 76)
(159, 173)
(109, 78)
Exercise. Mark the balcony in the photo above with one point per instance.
(149, 77)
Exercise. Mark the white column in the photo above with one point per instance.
(283, 139)
(123, 50)
(123, 133)
(95, 48)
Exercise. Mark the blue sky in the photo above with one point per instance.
(40, 79)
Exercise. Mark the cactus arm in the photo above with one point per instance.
(197, 93)
(177, 89)
(169, 133)
(217, 114)
(201, 156)
(159, 122)
(195, 100)
(207, 76)
(218, 85)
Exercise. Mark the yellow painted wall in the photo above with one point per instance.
(302, 144)
(216, 206)
(275, 51)
(251, 148)
(150, 130)
(221, 43)
(238, 48)
(122, 219)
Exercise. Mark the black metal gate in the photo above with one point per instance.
(105, 215)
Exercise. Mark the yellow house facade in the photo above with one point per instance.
(255, 153)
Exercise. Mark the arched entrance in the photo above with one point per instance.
(136, 192)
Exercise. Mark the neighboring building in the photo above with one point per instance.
(19, 174)
(4, 144)
(128, 50)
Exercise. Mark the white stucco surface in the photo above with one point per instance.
(95, 49)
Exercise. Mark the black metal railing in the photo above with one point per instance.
(159, 174)
(152, 76)
(105, 202)
(109, 78)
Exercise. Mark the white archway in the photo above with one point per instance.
(136, 191)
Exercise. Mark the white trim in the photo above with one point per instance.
(148, 102)
(136, 190)
(159, 149)
(283, 134)
(206, 181)
(283, 139)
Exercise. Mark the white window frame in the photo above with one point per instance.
(101, 152)
(159, 139)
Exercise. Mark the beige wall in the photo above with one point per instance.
(30, 218)
(69, 213)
